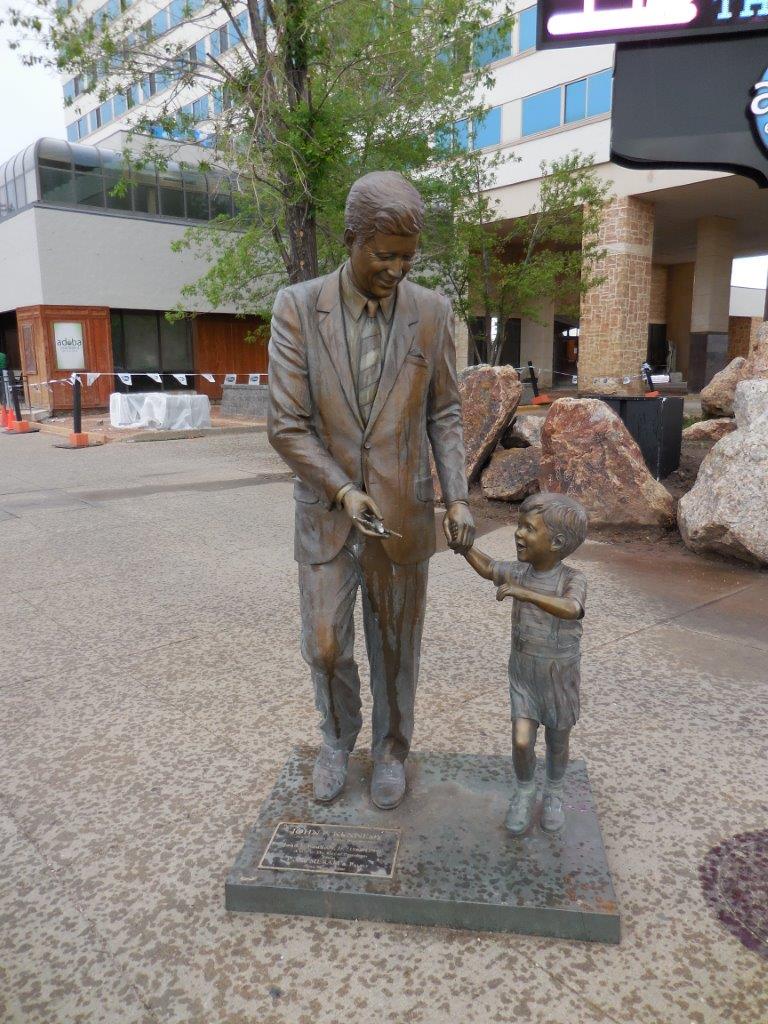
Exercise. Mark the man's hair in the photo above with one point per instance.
(383, 201)
(563, 516)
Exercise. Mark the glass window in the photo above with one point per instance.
(200, 108)
(542, 111)
(461, 134)
(214, 43)
(69, 89)
(576, 101)
(105, 112)
(176, 11)
(196, 193)
(94, 120)
(487, 130)
(54, 164)
(113, 9)
(175, 345)
(526, 21)
(72, 133)
(159, 22)
(221, 200)
(599, 89)
(82, 127)
(244, 24)
(140, 341)
(492, 44)
(171, 193)
(112, 170)
(88, 182)
(145, 190)
(119, 105)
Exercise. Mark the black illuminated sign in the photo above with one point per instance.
(587, 22)
(668, 113)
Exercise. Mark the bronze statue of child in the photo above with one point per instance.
(549, 599)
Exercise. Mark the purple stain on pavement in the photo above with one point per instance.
(734, 877)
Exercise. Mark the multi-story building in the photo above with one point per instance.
(670, 235)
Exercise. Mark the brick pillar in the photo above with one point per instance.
(614, 316)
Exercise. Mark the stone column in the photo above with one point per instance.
(461, 335)
(711, 300)
(537, 342)
(614, 316)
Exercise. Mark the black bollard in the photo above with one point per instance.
(534, 380)
(15, 397)
(77, 407)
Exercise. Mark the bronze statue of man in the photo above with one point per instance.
(362, 380)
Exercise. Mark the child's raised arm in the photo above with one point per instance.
(480, 562)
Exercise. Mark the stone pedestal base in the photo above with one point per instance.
(442, 858)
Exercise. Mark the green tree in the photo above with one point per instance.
(308, 95)
(493, 269)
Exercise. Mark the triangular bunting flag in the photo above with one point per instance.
(230, 378)
(209, 377)
(155, 377)
(254, 378)
(126, 379)
(91, 378)
(181, 378)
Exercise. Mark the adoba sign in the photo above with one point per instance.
(68, 342)
(574, 22)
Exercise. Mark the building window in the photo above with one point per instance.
(72, 132)
(542, 111)
(148, 342)
(576, 101)
(486, 131)
(599, 92)
(492, 44)
(526, 22)
(200, 109)
(119, 104)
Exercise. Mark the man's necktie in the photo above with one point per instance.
(370, 360)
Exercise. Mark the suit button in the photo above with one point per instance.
(367, 446)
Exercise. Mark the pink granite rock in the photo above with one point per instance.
(727, 508)
(709, 430)
(717, 396)
(512, 474)
(489, 397)
(589, 453)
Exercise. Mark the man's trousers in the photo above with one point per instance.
(393, 620)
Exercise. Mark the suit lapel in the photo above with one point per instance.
(406, 316)
(331, 327)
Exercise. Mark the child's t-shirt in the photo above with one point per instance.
(533, 623)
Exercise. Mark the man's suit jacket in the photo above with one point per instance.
(315, 423)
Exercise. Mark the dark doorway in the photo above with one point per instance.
(658, 347)
(9, 340)
(510, 351)
(565, 352)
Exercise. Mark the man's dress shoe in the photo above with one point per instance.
(388, 784)
(329, 773)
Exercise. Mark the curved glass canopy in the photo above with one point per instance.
(68, 174)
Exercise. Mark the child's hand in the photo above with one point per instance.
(508, 590)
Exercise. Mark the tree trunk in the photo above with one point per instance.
(301, 223)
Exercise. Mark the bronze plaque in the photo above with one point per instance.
(332, 849)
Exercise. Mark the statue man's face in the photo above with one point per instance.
(381, 261)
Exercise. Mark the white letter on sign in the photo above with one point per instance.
(760, 102)
(747, 11)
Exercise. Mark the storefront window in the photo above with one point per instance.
(171, 193)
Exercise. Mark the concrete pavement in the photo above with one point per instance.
(151, 687)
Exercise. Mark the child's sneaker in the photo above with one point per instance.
(521, 808)
(552, 813)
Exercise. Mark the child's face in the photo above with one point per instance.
(533, 540)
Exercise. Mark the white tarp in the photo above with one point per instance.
(159, 410)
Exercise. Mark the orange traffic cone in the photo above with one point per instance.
(20, 426)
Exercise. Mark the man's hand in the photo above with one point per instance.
(357, 503)
(459, 527)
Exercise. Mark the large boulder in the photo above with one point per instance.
(524, 431)
(717, 396)
(587, 452)
(710, 431)
(727, 509)
(512, 474)
(489, 397)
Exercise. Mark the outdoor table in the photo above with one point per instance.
(160, 410)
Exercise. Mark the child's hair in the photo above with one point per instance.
(563, 516)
